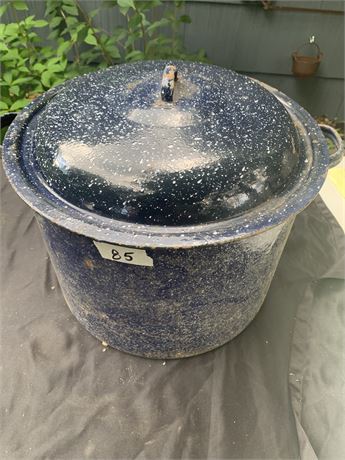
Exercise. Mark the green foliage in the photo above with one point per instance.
(154, 39)
(76, 45)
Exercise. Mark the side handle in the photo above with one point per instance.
(168, 83)
(5, 121)
(332, 134)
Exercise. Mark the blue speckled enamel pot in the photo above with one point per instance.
(165, 196)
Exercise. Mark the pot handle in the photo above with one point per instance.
(334, 136)
(168, 82)
(6, 119)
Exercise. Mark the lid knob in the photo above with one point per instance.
(168, 82)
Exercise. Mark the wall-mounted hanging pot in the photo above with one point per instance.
(165, 201)
(306, 60)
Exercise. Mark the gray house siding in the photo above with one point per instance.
(259, 43)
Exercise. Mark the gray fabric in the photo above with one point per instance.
(276, 391)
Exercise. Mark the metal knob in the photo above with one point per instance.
(168, 83)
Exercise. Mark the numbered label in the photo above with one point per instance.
(124, 254)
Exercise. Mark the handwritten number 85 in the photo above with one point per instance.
(117, 256)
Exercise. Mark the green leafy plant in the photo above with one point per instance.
(37, 54)
(28, 67)
(76, 35)
(145, 38)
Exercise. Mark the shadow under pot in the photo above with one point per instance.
(165, 195)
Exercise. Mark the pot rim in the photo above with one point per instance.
(32, 188)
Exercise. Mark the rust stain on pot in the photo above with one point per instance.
(89, 264)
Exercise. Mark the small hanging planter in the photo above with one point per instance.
(306, 65)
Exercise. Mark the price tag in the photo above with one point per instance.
(124, 254)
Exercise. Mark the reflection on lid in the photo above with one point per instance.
(107, 161)
(168, 116)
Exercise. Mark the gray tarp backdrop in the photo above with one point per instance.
(276, 391)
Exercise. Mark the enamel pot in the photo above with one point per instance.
(165, 196)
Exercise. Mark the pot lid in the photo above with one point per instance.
(165, 145)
